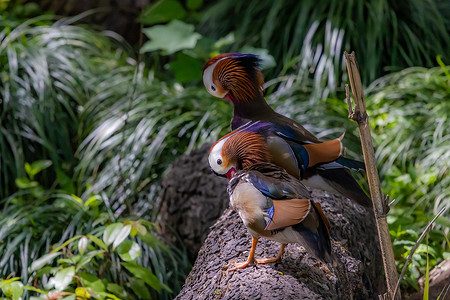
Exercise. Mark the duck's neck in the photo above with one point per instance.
(244, 111)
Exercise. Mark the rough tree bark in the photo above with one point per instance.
(192, 199)
(357, 275)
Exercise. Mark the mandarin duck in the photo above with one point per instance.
(271, 203)
(237, 78)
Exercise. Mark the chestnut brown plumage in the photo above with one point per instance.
(237, 77)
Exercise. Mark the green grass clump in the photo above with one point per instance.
(312, 35)
(411, 127)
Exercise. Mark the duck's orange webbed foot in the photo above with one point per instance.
(273, 259)
(250, 259)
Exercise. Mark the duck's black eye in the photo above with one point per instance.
(213, 88)
(219, 161)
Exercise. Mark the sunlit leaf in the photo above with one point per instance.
(63, 278)
(13, 290)
(111, 233)
(129, 250)
(46, 259)
(122, 235)
(170, 38)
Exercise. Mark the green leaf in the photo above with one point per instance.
(129, 250)
(98, 241)
(170, 38)
(25, 183)
(37, 167)
(92, 282)
(121, 236)
(63, 278)
(162, 11)
(65, 182)
(87, 258)
(146, 275)
(46, 259)
(111, 232)
(194, 4)
(117, 290)
(13, 290)
(139, 288)
(93, 201)
(186, 68)
(33, 289)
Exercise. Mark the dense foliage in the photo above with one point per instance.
(87, 129)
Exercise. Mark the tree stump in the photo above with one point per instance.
(193, 198)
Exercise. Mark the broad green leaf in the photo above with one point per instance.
(123, 234)
(186, 68)
(117, 290)
(8, 281)
(139, 288)
(194, 4)
(129, 250)
(13, 290)
(162, 11)
(37, 167)
(92, 282)
(111, 232)
(65, 182)
(87, 259)
(77, 199)
(98, 241)
(93, 201)
(144, 274)
(25, 183)
(170, 38)
(63, 278)
(45, 270)
(46, 259)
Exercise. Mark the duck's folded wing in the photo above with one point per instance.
(286, 213)
(275, 182)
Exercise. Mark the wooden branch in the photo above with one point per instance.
(380, 205)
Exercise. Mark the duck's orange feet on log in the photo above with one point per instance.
(273, 259)
(250, 259)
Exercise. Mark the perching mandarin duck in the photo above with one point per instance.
(271, 203)
(237, 78)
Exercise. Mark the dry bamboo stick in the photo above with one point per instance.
(380, 204)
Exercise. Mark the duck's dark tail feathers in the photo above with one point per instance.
(313, 234)
(343, 182)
